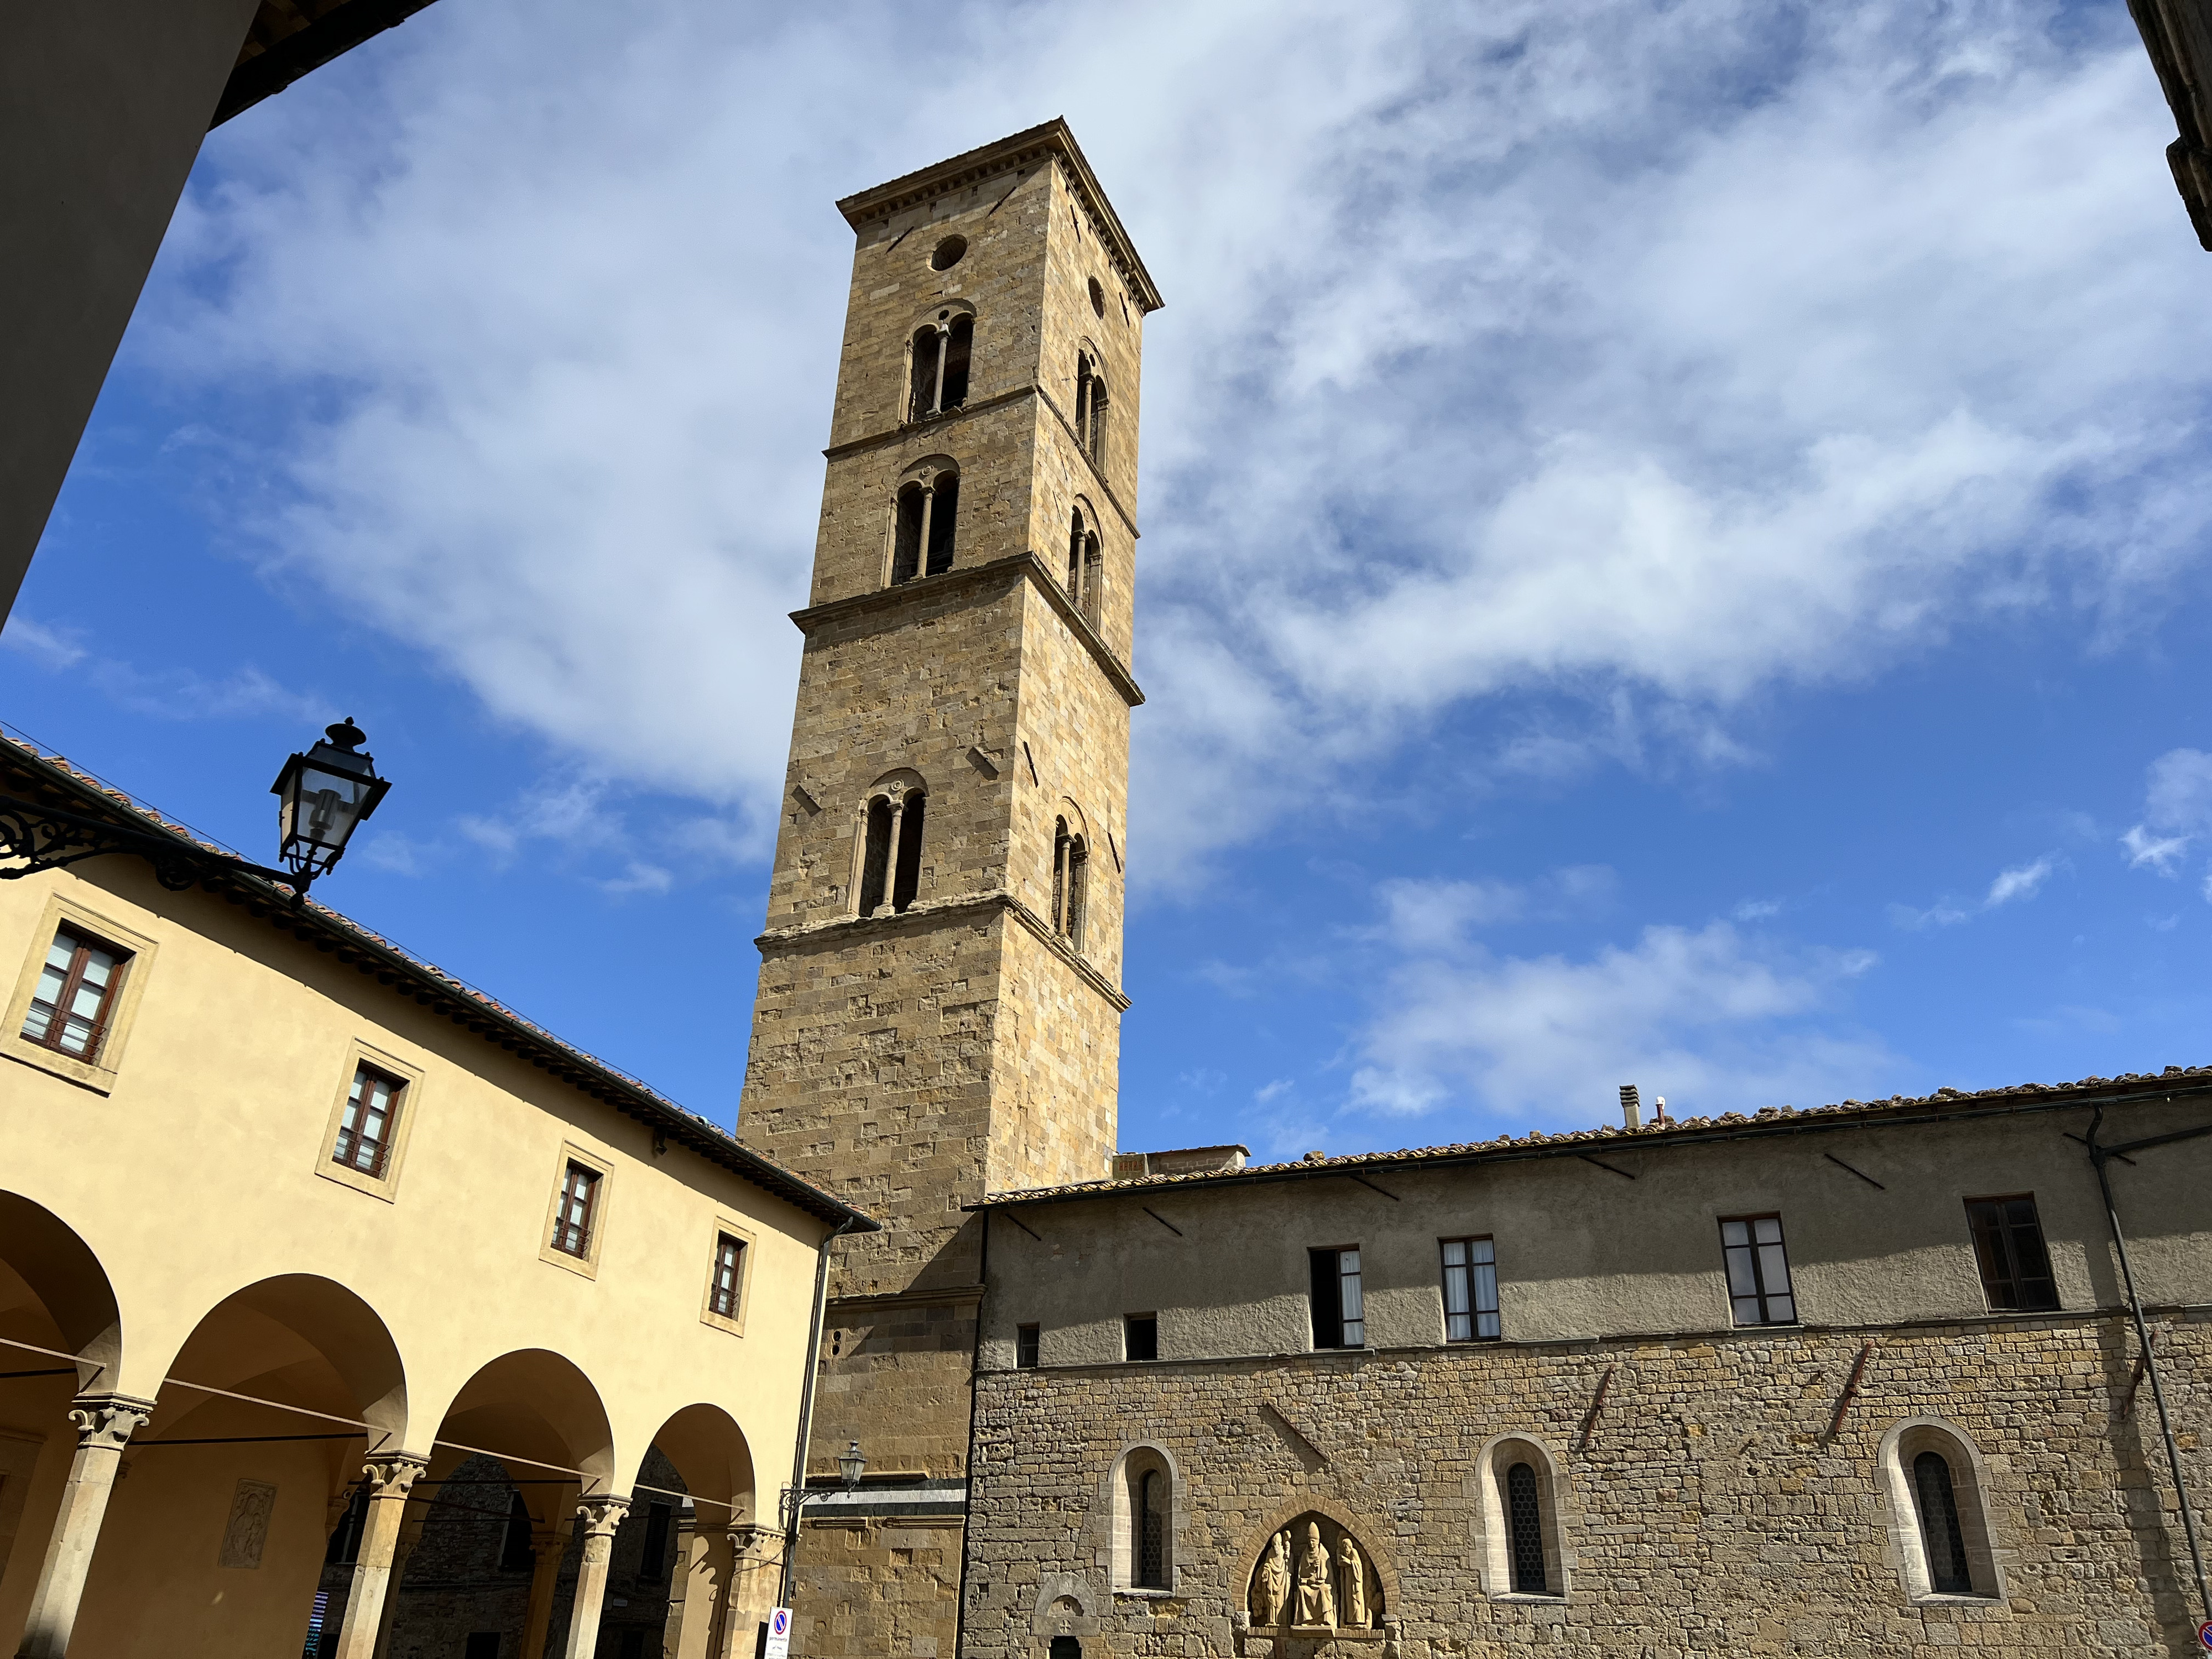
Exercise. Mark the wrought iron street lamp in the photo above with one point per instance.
(323, 796)
(852, 1465)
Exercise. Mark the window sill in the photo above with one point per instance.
(1531, 1598)
(1957, 1599)
(1134, 1593)
(360, 1179)
(85, 1074)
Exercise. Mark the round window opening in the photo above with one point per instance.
(1097, 297)
(948, 253)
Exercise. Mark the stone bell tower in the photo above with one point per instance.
(939, 1005)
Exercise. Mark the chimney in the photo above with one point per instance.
(1632, 1110)
(1659, 1109)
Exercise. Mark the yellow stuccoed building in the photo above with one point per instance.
(295, 1229)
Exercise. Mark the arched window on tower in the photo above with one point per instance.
(1071, 869)
(941, 353)
(1090, 402)
(1086, 567)
(890, 853)
(928, 508)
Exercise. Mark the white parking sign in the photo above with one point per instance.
(778, 1635)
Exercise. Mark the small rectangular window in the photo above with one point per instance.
(572, 1222)
(1470, 1290)
(729, 1274)
(1025, 1347)
(76, 995)
(372, 1115)
(481, 1644)
(1140, 1337)
(2009, 1245)
(1758, 1270)
(1339, 1310)
(516, 1552)
(654, 1566)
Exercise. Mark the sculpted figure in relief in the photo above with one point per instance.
(1316, 1603)
(1351, 1584)
(1271, 1586)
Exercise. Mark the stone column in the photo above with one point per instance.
(600, 1517)
(890, 905)
(104, 1423)
(378, 1565)
(550, 1543)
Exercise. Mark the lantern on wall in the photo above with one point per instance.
(322, 798)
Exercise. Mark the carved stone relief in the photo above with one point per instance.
(248, 1532)
(1314, 1577)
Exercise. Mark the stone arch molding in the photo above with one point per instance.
(1114, 1528)
(1498, 1455)
(1067, 1604)
(1970, 1486)
(1312, 1569)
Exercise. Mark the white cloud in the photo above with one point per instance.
(1420, 914)
(2161, 853)
(2021, 882)
(2177, 810)
(1268, 1092)
(1713, 1020)
(51, 649)
(1514, 349)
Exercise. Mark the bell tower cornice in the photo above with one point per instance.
(1050, 141)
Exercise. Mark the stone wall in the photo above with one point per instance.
(877, 1589)
(1702, 1507)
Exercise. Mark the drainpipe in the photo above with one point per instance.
(806, 1408)
(2098, 1157)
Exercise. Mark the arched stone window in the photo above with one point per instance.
(1090, 403)
(1141, 1520)
(1939, 1512)
(939, 357)
(1086, 565)
(1525, 1548)
(1071, 877)
(928, 507)
(890, 845)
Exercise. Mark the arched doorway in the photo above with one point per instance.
(214, 1538)
(524, 1444)
(721, 1568)
(63, 1339)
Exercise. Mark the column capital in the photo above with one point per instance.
(602, 1514)
(105, 1422)
(394, 1475)
(745, 1536)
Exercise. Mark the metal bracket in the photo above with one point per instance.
(47, 838)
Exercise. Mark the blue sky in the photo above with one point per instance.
(1673, 546)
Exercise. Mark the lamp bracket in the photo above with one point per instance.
(48, 838)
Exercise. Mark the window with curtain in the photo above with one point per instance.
(1339, 1319)
(1470, 1290)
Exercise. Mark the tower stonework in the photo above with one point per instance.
(940, 1007)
